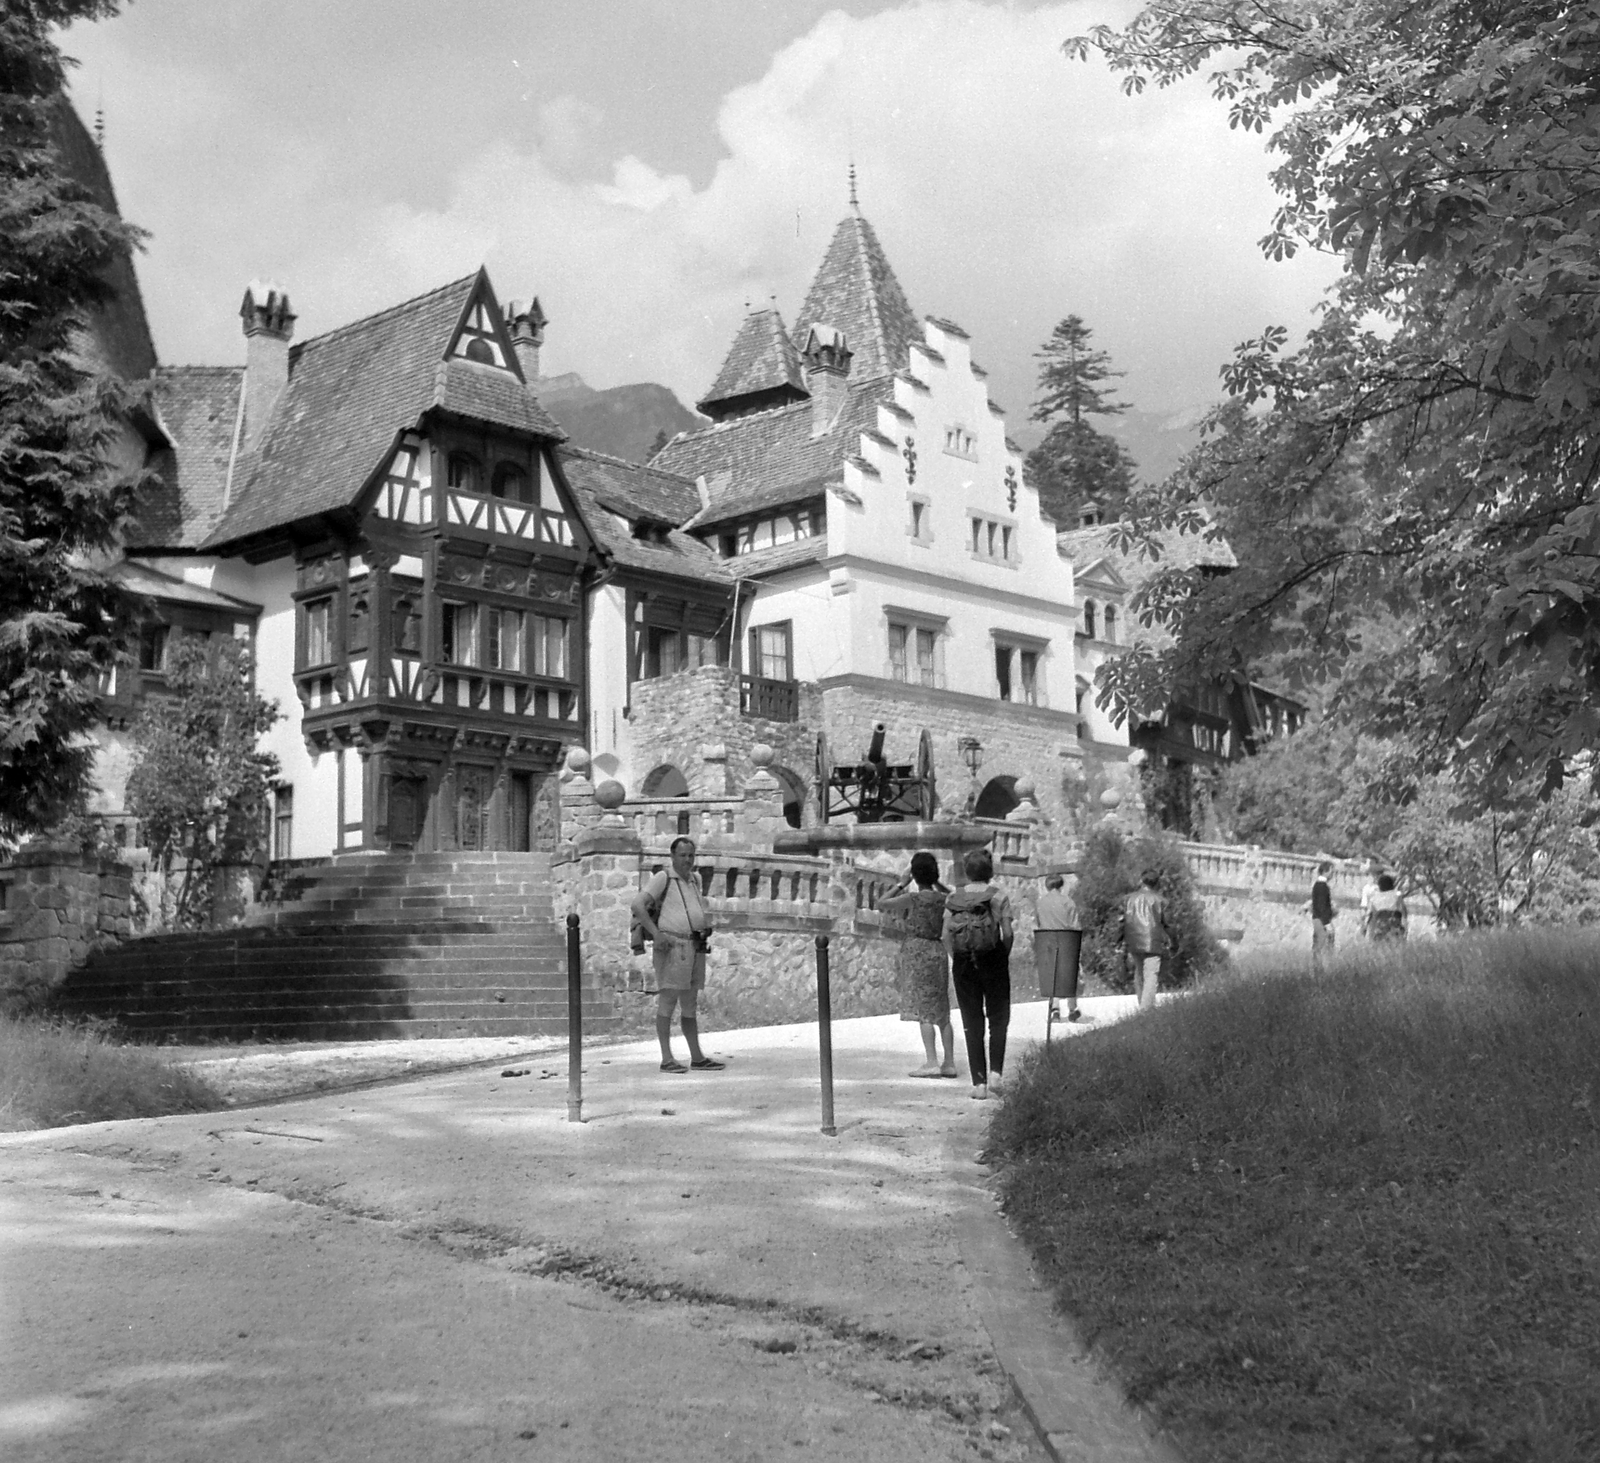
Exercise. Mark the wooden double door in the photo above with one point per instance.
(511, 822)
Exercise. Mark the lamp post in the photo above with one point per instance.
(971, 751)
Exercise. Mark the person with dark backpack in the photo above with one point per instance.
(977, 934)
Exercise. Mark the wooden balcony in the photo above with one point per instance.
(770, 700)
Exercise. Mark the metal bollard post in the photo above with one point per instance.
(574, 1022)
(825, 1035)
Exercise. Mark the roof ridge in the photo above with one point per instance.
(595, 455)
(194, 370)
(384, 314)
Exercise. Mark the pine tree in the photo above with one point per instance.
(63, 621)
(1071, 376)
(1077, 463)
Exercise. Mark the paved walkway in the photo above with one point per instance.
(436, 1269)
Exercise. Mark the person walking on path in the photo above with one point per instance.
(977, 936)
(672, 914)
(922, 970)
(1057, 943)
(1387, 915)
(1322, 912)
(1145, 935)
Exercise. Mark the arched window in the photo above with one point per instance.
(465, 473)
(1088, 618)
(1082, 707)
(478, 349)
(1111, 624)
(665, 781)
(999, 797)
(513, 483)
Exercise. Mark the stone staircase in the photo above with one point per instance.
(366, 946)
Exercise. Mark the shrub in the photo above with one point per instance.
(1112, 866)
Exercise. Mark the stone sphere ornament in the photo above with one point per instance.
(610, 794)
(1025, 788)
(1111, 800)
(761, 755)
(578, 760)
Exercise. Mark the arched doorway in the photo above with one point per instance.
(794, 794)
(665, 781)
(999, 797)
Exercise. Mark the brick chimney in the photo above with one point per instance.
(526, 324)
(268, 328)
(827, 367)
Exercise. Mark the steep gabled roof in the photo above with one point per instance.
(198, 406)
(761, 359)
(771, 457)
(856, 291)
(350, 392)
(142, 579)
(605, 486)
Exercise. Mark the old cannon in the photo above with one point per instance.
(875, 789)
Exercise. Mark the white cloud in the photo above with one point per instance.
(1009, 186)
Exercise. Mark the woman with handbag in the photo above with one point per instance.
(672, 914)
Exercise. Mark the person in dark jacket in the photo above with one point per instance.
(977, 937)
(1145, 936)
(1322, 912)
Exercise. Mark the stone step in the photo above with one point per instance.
(396, 1009)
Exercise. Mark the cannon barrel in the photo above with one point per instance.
(875, 747)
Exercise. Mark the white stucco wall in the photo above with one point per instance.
(610, 742)
(315, 779)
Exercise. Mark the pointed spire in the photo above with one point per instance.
(855, 291)
(762, 369)
(854, 201)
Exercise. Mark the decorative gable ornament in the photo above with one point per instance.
(826, 349)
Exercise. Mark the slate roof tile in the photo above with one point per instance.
(856, 291)
(143, 579)
(769, 458)
(197, 406)
(607, 485)
(765, 562)
(350, 392)
(761, 358)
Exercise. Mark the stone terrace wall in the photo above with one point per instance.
(692, 720)
(56, 905)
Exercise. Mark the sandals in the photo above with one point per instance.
(927, 1069)
(707, 1064)
(673, 1065)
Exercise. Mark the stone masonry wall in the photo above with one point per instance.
(58, 904)
(692, 720)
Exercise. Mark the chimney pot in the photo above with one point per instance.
(827, 366)
(268, 328)
(526, 324)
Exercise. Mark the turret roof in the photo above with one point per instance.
(761, 358)
(856, 291)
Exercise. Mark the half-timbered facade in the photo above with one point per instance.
(392, 496)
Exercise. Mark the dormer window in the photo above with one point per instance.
(465, 473)
(512, 483)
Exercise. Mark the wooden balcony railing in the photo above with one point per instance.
(773, 700)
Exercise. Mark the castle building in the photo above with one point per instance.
(885, 561)
(387, 509)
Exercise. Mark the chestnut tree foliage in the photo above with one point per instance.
(1430, 455)
(62, 619)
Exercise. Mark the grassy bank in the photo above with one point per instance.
(1350, 1217)
(52, 1075)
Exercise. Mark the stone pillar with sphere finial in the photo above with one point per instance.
(761, 813)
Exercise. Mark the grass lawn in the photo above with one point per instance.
(1347, 1217)
(52, 1075)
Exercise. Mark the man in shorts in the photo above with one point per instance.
(672, 915)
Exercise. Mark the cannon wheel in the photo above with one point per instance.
(925, 788)
(824, 776)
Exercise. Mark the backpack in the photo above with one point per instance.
(973, 928)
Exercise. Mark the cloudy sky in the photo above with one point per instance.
(649, 167)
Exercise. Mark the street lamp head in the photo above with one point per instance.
(971, 750)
